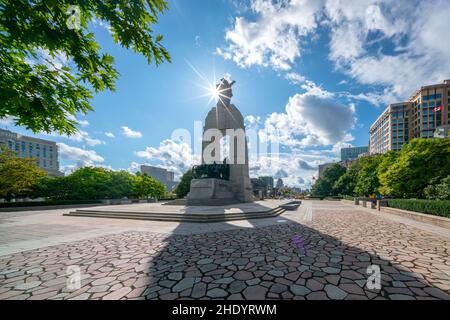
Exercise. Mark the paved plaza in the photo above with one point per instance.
(250, 259)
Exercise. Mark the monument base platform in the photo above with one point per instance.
(198, 214)
(211, 192)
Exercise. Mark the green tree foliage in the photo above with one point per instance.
(18, 176)
(99, 183)
(184, 186)
(367, 180)
(440, 191)
(324, 185)
(421, 168)
(421, 163)
(39, 91)
(362, 177)
(146, 186)
(346, 183)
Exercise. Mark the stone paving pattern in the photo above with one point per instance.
(247, 263)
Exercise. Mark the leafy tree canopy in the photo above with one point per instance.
(184, 186)
(324, 185)
(420, 163)
(420, 169)
(346, 183)
(50, 64)
(367, 180)
(146, 186)
(18, 176)
(99, 183)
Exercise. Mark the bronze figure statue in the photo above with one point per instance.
(225, 91)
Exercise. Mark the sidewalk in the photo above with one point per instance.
(411, 222)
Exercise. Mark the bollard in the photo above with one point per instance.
(373, 205)
(356, 201)
(379, 205)
(364, 204)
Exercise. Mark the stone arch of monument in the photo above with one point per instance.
(223, 120)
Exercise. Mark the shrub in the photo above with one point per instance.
(440, 191)
(434, 207)
(349, 198)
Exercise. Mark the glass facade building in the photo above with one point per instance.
(427, 109)
(352, 153)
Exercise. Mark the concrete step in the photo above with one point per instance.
(176, 202)
(176, 217)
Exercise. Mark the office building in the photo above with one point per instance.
(267, 182)
(391, 130)
(352, 153)
(427, 109)
(263, 184)
(161, 175)
(430, 109)
(44, 151)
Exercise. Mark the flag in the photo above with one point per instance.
(437, 108)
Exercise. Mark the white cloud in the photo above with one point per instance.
(197, 41)
(78, 136)
(93, 142)
(396, 45)
(68, 169)
(84, 157)
(7, 121)
(296, 169)
(295, 78)
(252, 122)
(173, 156)
(110, 135)
(311, 119)
(273, 38)
(362, 31)
(134, 167)
(127, 132)
(83, 123)
(102, 24)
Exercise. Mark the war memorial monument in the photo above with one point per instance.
(222, 181)
(220, 190)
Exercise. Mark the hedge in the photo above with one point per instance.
(434, 207)
(349, 198)
(46, 203)
(315, 198)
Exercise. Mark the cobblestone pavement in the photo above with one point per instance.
(340, 243)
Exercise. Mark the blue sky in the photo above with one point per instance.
(317, 73)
